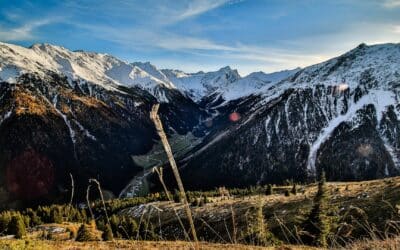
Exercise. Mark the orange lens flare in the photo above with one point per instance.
(234, 117)
(30, 175)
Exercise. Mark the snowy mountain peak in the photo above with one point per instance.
(109, 72)
(382, 61)
(99, 69)
(255, 83)
(154, 72)
(200, 84)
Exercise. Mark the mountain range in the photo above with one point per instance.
(74, 113)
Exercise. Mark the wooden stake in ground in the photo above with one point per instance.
(88, 201)
(72, 189)
(102, 197)
(160, 130)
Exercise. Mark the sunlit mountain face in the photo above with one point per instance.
(87, 115)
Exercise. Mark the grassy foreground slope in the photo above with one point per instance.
(391, 244)
(126, 244)
(362, 215)
(357, 210)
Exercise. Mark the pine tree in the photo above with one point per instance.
(270, 190)
(114, 221)
(132, 228)
(294, 189)
(201, 202)
(17, 227)
(5, 218)
(177, 196)
(258, 231)
(317, 223)
(83, 233)
(55, 215)
(107, 234)
(34, 218)
(87, 233)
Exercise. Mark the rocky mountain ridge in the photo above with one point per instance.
(88, 114)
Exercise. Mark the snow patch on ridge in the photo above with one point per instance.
(5, 116)
(379, 98)
(9, 74)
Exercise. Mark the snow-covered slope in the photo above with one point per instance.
(201, 84)
(342, 115)
(254, 83)
(225, 82)
(100, 69)
(109, 72)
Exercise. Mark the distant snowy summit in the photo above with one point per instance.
(109, 71)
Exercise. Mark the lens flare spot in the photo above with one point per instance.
(365, 150)
(208, 123)
(29, 175)
(234, 117)
(343, 86)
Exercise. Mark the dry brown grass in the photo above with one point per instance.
(389, 244)
(284, 213)
(126, 244)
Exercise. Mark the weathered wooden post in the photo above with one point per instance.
(160, 130)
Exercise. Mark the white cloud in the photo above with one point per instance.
(22, 32)
(148, 31)
(180, 43)
(195, 8)
(154, 13)
(391, 3)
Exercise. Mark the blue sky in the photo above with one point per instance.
(250, 35)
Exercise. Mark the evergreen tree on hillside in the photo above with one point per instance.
(132, 228)
(114, 221)
(317, 223)
(5, 218)
(177, 196)
(270, 190)
(87, 232)
(17, 227)
(55, 215)
(294, 189)
(107, 234)
(34, 218)
(258, 232)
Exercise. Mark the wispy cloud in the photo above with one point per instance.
(130, 37)
(269, 57)
(391, 3)
(179, 31)
(23, 32)
(195, 8)
(155, 13)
